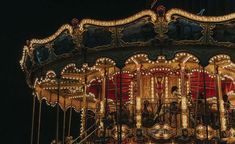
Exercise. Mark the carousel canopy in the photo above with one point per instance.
(155, 33)
(151, 58)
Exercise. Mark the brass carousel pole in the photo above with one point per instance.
(120, 107)
(83, 110)
(57, 112)
(64, 118)
(70, 117)
(39, 121)
(106, 98)
(217, 97)
(152, 88)
(196, 99)
(166, 89)
(205, 99)
(83, 114)
(116, 104)
(102, 103)
(178, 118)
(33, 113)
(132, 101)
(184, 118)
(138, 97)
(221, 102)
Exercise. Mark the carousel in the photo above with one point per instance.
(155, 77)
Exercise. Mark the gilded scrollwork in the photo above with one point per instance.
(207, 33)
(130, 19)
(52, 37)
(161, 28)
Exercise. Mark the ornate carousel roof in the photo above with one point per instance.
(137, 59)
(155, 33)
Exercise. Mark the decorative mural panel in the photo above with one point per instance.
(182, 29)
(224, 32)
(64, 44)
(95, 36)
(41, 54)
(140, 31)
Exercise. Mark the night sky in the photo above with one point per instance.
(22, 20)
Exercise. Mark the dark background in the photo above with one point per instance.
(26, 19)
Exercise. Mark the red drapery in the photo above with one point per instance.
(196, 86)
(111, 85)
(227, 85)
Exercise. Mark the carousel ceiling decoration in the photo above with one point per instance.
(155, 77)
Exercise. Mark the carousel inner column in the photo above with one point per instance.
(166, 90)
(102, 102)
(220, 100)
(83, 112)
(106, 87)
(166, 97)
(138, 96)
(184, 111)
(132, 101)
(120, 108)
(152, 89)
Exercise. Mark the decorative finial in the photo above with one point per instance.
(161, 10)
(74, 22)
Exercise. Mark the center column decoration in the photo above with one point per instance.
(184, 117)
(83, 112)
(102, 102)
(166, 90)
(138, 96)
(152, 88)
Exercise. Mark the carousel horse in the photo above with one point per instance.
(69, 140)
(173, 109)
(229, 136)
(109, 121)
(147, 114)
(191, 108)
(124, 114)
(200, 111)
(226, 102)
(175, 104)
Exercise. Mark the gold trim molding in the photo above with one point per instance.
(130, 19)
(206, 19)
(52, 37)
